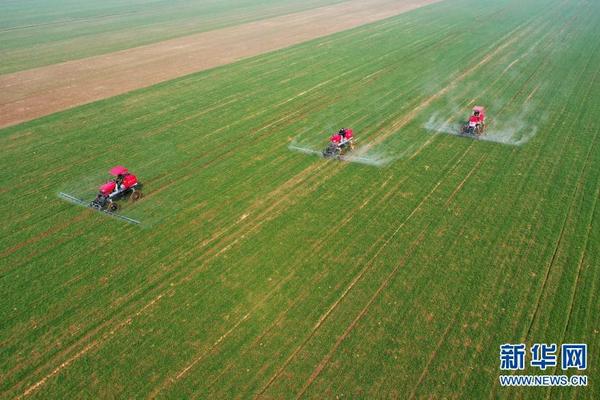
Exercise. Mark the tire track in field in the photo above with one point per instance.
(432, 356)
(551, 35)
(456, 240)
(474, 209)
(191, 365)
(462, 183)
(579, 264)
(161, 129)
(492, 245)
(86, 349)
(382, 200)
(539, 206)
(510, 278)
(587, 166)
(332, 232)
(42, 235)
(583, 254)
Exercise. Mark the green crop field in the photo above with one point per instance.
(263, 270)
(62, 30)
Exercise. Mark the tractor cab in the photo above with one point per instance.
(476, 122)
(479, 112)
(339, 143)
(124, 185)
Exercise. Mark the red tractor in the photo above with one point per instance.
(125, 185)
(339, 144)
(476, 124)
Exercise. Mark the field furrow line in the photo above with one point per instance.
(462, 183)
(432, 356)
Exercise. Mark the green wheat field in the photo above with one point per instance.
(260, 269)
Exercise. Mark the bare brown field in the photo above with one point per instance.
(30, 94)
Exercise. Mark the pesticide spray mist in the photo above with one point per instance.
(361, 155)
(515, 131)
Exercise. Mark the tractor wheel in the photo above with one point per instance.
(112, 207)
(135, 196)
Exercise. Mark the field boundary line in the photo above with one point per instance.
(173, 58)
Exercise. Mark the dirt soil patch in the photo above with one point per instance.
(30, 94)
